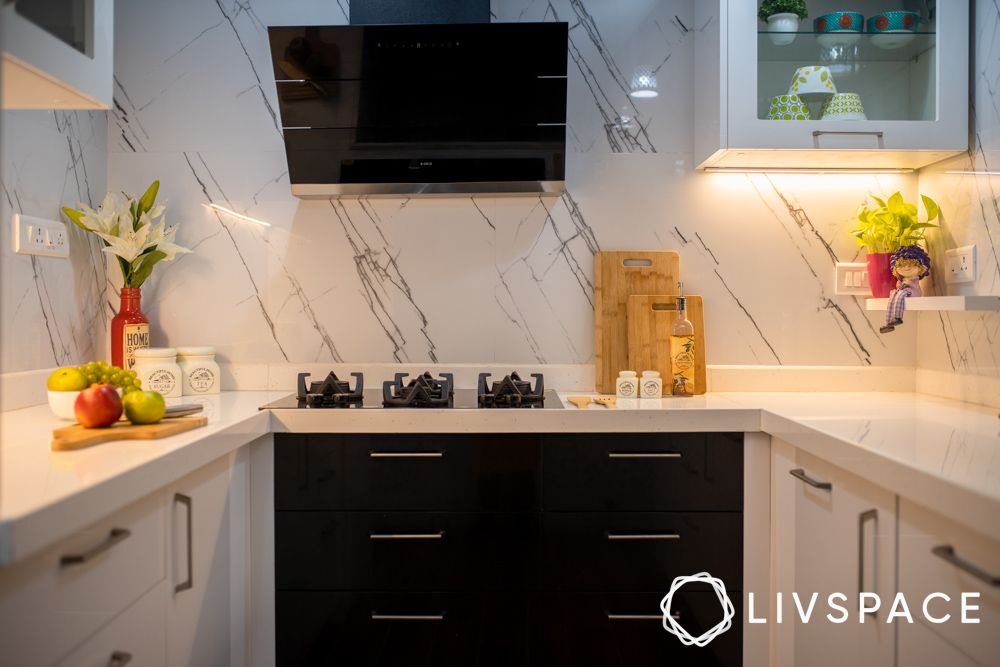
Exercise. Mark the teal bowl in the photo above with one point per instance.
(839, 22)
(893, 22)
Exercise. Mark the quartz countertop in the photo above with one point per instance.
(945, 454)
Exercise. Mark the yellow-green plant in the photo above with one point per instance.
(893, 224)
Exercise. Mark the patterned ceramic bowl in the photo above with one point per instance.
(893, 22)
(788, 107)
(839, 22)
(844, 106)
(812, 84)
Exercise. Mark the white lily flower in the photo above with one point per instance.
(108, 215)
(129, 244)
(162, 237)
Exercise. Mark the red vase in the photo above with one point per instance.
(129, 329)
(880, 276)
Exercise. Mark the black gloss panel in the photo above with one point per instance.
(465, 103)
(407, 11)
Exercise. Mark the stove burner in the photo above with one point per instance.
(423, 391)
(511, 392)
(331, 392)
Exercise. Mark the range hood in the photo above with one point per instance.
(422, 109)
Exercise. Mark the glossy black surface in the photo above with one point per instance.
(422, 104)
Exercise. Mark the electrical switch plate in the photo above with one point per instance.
(851, 278)
(960, 265)
(38, 236)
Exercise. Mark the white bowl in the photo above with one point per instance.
(892, 39)
(61, 404)
(836, 38)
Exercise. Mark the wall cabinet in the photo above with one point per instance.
(57, 54)
(913, 89)
(834, 533)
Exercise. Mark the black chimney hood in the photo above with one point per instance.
(438, 109)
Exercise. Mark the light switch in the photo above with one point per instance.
(851, 278)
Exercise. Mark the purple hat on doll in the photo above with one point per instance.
(914, 253)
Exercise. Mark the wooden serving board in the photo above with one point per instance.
(617, 275)
(77, 437)
(650, 320)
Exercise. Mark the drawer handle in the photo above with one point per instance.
(407, 617)
(406, 455)
(947, 552)
(877, 135)
(641, 617)
(799, 473)
(115, 536)
(407, 536)
(644, 455)
(119, 659)
(643, 536)
(189, 582)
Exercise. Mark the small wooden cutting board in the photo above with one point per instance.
(650, 319)
(77, 437)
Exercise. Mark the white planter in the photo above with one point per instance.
(780, 24)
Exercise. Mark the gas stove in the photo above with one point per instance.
(419, 392)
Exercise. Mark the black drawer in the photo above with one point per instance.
(411, 629)
(637, 472)
(386, 472)
(626, 630)
(639, 551)
(408, 551)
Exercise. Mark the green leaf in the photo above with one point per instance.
(895, 204)
(75, 216)
(881, 202)
(149, 197)
(143, 266)
(931, 206)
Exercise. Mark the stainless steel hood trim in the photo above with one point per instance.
(496, 189)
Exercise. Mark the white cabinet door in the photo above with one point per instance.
(834, 533)
(937, 555)
(200, 559)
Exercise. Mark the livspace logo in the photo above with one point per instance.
(671, 622)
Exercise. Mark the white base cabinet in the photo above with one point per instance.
(833, 533)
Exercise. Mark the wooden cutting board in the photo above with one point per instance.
(78, 437)
(650, 320)
(617, 275)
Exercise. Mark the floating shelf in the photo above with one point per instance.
(809, 49)
(941, 303)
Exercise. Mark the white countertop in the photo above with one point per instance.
(942, 453)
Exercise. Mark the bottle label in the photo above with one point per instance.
(162, 381)
(134, 337)
(201, 379)
(682, 364)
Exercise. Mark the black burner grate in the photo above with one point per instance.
(511, 392)
(332, 392)
(423, 391)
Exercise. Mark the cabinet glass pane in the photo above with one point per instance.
(886, 70)
(71, 21)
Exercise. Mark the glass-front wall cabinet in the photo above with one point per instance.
(856, 84)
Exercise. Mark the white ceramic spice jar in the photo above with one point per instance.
(650, 385)
(158, 370)
(199, 371)
(627, 385)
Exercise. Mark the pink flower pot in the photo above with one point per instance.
(880, 277)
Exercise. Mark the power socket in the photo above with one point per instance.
(960, 265)
(38, 236)
(851, 278)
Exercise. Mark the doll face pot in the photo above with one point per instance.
(909, 268)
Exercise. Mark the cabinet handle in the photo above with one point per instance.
(643, 536)
(189, 582)
(878, 135)
(641, 617)
(407, 536)
(115, 536)
(406, 455)
(799, 473)
(947, 552)
(119, 659)
(644, 455)
(407, 617)
(863, 518)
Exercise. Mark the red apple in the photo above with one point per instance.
(98, 405)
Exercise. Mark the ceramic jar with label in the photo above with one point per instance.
(627, 385)
(158, 370)
(199, 372)
(650, 385)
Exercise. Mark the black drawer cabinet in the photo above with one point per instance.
(406, 551)
(639, 551)
(386, 472)
(481, 550)
(643, 472)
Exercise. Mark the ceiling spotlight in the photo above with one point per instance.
(643, 84)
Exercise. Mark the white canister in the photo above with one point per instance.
(650, 385)
(627, 385)
(158, 370)
(199, 371)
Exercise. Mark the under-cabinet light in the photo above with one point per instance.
(973, 172)
(809, 170)
(240, 216)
